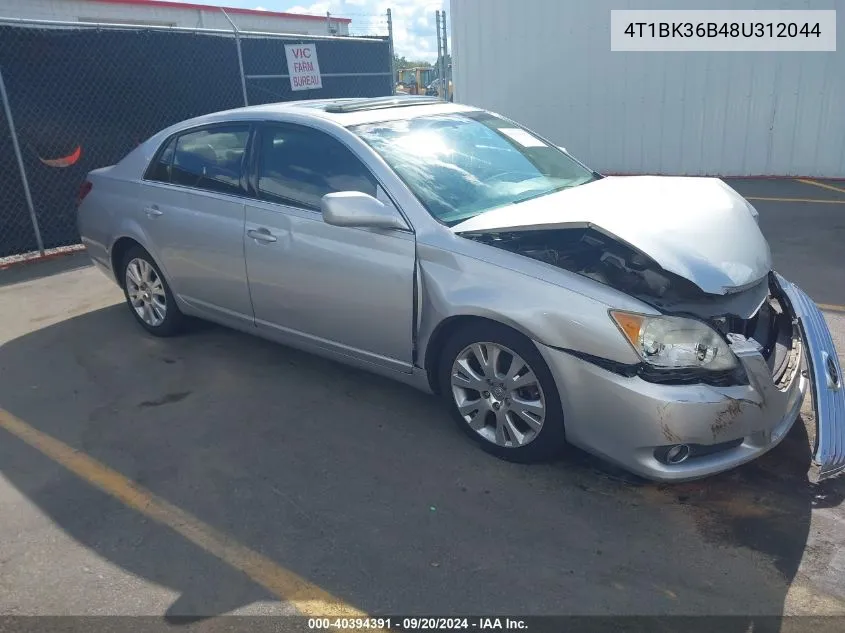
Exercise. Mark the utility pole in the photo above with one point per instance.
(439, 52)
(392, 54)
(446, 72)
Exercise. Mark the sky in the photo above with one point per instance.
(413, 20)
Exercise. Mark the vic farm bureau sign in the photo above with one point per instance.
(303, 68)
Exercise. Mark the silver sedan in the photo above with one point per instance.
(638, 318)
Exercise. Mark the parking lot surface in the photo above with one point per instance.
(216, 473)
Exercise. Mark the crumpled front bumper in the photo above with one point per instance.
(827, 388)
(628, 420)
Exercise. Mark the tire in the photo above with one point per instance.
(162, 316)
(511, 431)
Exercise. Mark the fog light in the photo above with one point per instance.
(677, 454)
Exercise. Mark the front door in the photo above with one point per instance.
(347, 290)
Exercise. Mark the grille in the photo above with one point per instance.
(772, 328)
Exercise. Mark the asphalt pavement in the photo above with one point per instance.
(216, 473)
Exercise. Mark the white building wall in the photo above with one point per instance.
(92, 11)
(548, 64)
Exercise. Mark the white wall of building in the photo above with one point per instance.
(166, 15)
(548, 64)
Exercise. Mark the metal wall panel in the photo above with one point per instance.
(548, 64)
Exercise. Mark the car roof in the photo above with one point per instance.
(346, 112)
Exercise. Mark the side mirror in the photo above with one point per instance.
(353, 208)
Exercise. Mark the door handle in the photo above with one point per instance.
(262, 235)
(153, 211)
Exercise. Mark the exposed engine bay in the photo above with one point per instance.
(752, 312)
(591, 253)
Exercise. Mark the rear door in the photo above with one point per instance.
(193, 214)
(347, 290)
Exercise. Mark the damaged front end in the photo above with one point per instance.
(771, 326)
(592, 253)
(826, 376)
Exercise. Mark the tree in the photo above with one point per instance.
(400, 62)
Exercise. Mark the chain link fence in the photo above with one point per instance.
(16, 229)
(82, 97)
(352, 67)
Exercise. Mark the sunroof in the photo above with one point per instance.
(378, 103)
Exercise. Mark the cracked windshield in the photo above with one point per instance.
(461, 165)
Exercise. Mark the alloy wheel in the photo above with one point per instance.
(498, 394)
(145, 289)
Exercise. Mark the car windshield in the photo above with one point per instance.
(461, 165)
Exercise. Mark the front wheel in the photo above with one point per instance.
(501, 393)
(148, 295)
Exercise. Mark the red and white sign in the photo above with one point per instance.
(303, 68)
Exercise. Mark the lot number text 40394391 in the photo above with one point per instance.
(418, 623)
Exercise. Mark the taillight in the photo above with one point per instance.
(84, 190)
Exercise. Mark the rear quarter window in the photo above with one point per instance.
(159, 169)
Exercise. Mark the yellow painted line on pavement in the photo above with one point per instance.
(823, 185)
(811, 200)
(305, 597)
(831, 307)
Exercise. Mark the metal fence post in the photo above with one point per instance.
(240, 54)
(392, 57)
(8, 109)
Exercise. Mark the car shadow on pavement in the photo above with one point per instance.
(363, 487)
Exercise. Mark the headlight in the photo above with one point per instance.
(675, 342)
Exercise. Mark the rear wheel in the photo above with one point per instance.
(148, 295)
(501, 393)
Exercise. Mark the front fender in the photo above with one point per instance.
(456, 285)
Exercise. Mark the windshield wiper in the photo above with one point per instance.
(593, 177)
(540, 194)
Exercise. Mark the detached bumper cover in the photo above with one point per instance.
(827, 384)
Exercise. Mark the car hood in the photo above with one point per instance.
(698, 228)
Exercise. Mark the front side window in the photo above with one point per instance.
(462, 164)
(211, 159)
(299, 165)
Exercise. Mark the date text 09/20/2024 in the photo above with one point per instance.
(417, 624)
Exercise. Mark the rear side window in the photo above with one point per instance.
(211, 159)
(299, 165)
(159, 169)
